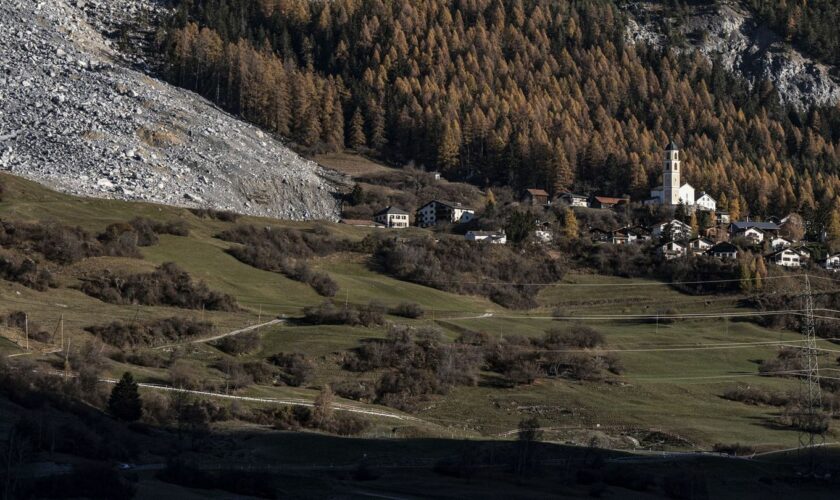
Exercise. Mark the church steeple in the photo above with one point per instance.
(671, 175)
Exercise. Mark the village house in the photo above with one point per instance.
(672, 250)
(598, 234)
(574, 200)
(536, 197)
(673, 230)
(785, 257)
(494, 237)
(778, 243)
(642, 233)
(623, 236)
(443, 212)
(607, 202)
(722, 217)
(699, 246)
(392, 217)
(724, 250)
(705, 202)
(766, 228)
(753, 234)
(832, 263)
(803, 251)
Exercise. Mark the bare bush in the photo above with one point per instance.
(328, 313)
(295, 368)
(26, 272)
(505, 275)
(411, 310)
(150, 333)
(211, 213)
(167, 285)
(242, 343)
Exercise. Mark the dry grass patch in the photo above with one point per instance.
(160, 137)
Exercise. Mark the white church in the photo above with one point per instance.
(671, 193)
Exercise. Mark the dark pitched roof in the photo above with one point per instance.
(609, 200)
(392, 210)
(764, 226)
(672, 146)
(723, 247)
(537, 192)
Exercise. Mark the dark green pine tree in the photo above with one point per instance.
(125, 403)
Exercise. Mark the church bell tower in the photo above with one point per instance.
(671, 175)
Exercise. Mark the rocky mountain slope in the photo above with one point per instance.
(727, 28)
(75, 117)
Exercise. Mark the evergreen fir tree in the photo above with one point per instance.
(125, 403)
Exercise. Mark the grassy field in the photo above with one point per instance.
(675, 373)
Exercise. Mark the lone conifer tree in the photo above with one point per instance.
(125, 403)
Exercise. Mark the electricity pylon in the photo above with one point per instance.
(811, 419)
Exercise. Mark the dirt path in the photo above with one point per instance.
(227, 334)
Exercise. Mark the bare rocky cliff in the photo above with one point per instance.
(75, 117)
(727, 29)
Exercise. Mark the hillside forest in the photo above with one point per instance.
(526, 93)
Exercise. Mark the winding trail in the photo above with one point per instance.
(279, 401)
(203, 340)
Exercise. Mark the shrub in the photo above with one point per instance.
(242, 343)
(328, 313)
(356, 390)
(409, 310)
(210, 213)
(260, 371)
(296, 369)
(183, 374)
(755, 396)
(15, 319)
(453, 264)
(150, 333)
(167, 285)
(26, 272)
(575, 336)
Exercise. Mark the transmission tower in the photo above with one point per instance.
(811, 425)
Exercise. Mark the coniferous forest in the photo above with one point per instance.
(526, 93)
(811, 25)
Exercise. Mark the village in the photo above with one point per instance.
(689, 225)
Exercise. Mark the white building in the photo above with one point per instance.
(778, 243)
(494, 237)
(574, 200)
(443, 212)
(672, 250)
(699, 246)
(392, 217)
(673, 229)
(785, 257)
(832, 262)
(671, 192)
(753, 234)
(705, 202)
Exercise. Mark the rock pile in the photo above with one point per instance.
(727, 30)
(73, 116)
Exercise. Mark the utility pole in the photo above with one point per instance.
(811, 427)
(26, 329)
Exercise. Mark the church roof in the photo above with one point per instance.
(672, 146)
